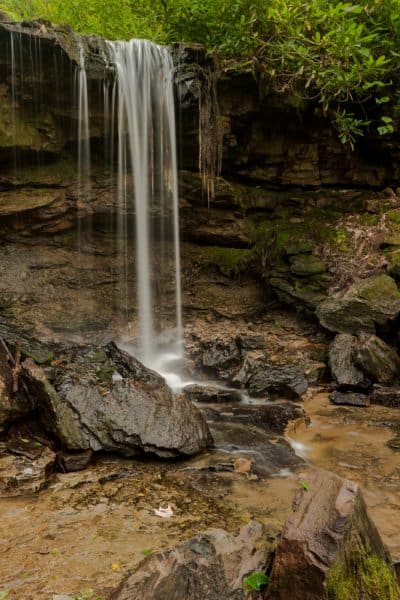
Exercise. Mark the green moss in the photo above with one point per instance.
(369, 578)
(307, 264)
(375, 288)
(394, 217)
(225, 259)
(40, 356)
(105, 374)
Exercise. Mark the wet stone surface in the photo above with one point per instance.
(355, 443)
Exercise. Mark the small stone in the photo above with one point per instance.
(350, 398)
(77, 461)
(251, 342)
(19, 475)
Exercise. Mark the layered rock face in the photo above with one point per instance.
(279, 213)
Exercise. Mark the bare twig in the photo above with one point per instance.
(17, 367)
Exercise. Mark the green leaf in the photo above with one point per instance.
(4, 594)
(147, 551)
(256, 581)
(305, 485)
(386, 119)
(382, 100)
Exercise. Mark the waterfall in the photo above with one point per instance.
(140, 155)
(83, 126)
(147, 186)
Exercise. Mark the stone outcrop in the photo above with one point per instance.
(103, 399)
(329, 547)
(209, 566)
(361, 307)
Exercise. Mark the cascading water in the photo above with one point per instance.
(83, 126)
(147, 184)
(139, 133)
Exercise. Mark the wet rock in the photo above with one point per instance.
(220, 354)
(81, 402)
(77, 461)
(362, 306)
(251, 342)
(211, 394)
(341, 362)
(20, 475)
(271, 417)
(386, 396)
(378, 360)
(263, 378)
(329, 541)
(209, 566)
(350, 398)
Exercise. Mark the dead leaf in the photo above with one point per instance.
(165, 513)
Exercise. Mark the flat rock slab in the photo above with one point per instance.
(271, 417)
(20, 475)
(349, 398)
(209, 566)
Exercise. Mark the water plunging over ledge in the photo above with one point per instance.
(144, 112)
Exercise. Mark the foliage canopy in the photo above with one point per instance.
(344, 54)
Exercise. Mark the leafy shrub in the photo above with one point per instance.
(343, 54)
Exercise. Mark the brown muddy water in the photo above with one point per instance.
(355, 443)
(81, 535)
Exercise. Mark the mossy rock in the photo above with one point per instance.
(394, 263)
(297, 246)
(307, 264)
(366, 578)
(225, 259)
(362, 306)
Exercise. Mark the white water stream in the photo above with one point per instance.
(147, 183)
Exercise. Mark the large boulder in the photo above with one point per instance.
(209, 566)
(330, 548)
(362, 306)
(104, 399)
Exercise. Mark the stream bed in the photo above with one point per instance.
(356, 443)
